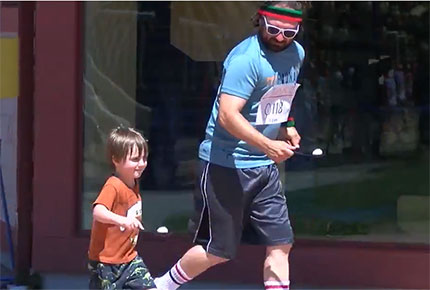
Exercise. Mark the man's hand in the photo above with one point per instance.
(231, 119)
(291, 136)
(279, 151)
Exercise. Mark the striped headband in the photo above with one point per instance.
(281, 13)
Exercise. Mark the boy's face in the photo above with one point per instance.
(132, 166)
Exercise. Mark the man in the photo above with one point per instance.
(239, 196)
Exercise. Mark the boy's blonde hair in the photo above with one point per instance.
(121, 141)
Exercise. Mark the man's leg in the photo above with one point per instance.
(276, 267)
(217, 225)
(271, 226)
(195, 261)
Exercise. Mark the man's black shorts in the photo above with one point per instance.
(239, 205)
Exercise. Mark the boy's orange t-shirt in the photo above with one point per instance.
(108, 243)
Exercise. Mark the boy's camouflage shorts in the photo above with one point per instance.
(132, 275)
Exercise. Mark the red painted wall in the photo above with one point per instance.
(58, 245)
(56, 127)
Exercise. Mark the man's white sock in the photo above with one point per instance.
(277, 285)
(174, 278)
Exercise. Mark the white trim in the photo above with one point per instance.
(280, 285)
(182, 272)
(177, 276)
(209, 213)
(202, 180)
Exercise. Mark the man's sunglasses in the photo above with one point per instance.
(274, 30)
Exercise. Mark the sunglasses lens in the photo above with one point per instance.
(289, 33)
(272, 30)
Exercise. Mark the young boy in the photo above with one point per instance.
(113, 260)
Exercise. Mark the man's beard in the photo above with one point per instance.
(275, 47)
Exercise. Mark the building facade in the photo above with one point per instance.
(360, 215)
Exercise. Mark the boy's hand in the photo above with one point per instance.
(130, 223)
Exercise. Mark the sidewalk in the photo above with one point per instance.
(59, 281)
(63, 281)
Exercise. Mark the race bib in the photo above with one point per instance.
(275, 104)
(135, 211)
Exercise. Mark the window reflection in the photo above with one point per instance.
(364, 100)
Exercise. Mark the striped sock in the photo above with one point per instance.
(174, 278)
(277, 285)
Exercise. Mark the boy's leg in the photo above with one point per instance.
(276, 267)
(104, 276)
(137, 275)
(94, 282)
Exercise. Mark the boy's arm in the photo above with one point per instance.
(105, 216)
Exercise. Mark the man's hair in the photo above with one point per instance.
(121, 141)
(296, 5)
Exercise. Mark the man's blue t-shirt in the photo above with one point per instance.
(250, 70)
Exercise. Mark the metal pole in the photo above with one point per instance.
(25, 133)
(8, 227)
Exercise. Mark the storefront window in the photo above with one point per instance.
(364, 100)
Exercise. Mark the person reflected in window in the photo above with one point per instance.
(239, 196)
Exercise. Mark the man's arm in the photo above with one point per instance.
(231, 119)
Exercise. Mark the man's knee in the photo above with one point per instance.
(215, 260)
(279, 251)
